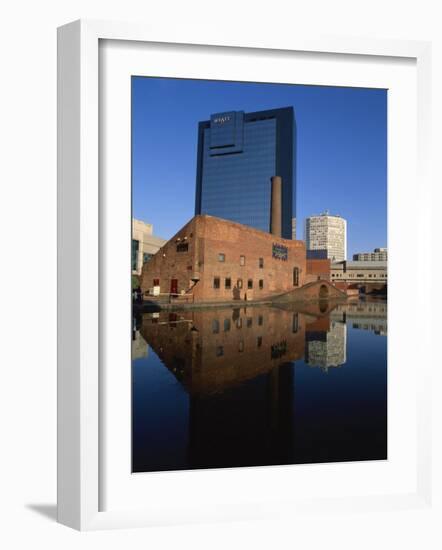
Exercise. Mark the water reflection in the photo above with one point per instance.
(247, 386)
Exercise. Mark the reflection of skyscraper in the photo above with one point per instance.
(238, 153)
(327, 348)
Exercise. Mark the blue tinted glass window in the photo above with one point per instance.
(236, 186)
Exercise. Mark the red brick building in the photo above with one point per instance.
(319, 269)
(215, 260)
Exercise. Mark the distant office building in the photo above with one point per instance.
(294, 229)
(378, 255)
(238, 154)
(144, 244)
(359, 272)
(327, 233)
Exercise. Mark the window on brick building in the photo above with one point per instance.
(221, 257)
(295, 323)
(182, 247)
(261, 284)
(259, 341)
(226, 325)
(249, 322)
(219, 351)
(215, 326)
(156, 282)
(261, 262)
(260, 320)
(239, 283)
(228, 282)
(242, 260)
(250, 283)
(296, 276)
(216, 282)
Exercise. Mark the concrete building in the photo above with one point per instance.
(294, 229)
(378, 255)
(238, 153)
(327, 233)
(359, 272)
(144, 244)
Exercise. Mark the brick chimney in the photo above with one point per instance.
(276, 207)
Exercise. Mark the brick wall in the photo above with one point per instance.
(318, 269)
(172, 262)
(207, 238)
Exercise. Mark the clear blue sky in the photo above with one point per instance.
(341, 152)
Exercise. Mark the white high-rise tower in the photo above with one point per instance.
(327, 233)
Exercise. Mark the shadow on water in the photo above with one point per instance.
(251, 386)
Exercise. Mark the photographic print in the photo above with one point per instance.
(259, 274)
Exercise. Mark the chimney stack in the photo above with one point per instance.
(276, 207)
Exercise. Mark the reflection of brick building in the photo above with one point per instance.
(211, 350)
(213, 260)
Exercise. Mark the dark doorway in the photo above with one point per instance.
(174, 286)
(323, 292)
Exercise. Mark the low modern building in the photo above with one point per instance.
(378, 255)
(359, 272)
(327, 234)
(144, 244)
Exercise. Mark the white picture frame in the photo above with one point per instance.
(80, 296)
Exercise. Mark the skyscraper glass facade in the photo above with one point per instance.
(238, 153)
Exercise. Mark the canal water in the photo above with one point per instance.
(255, 386)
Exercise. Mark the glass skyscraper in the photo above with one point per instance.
(238, 153)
